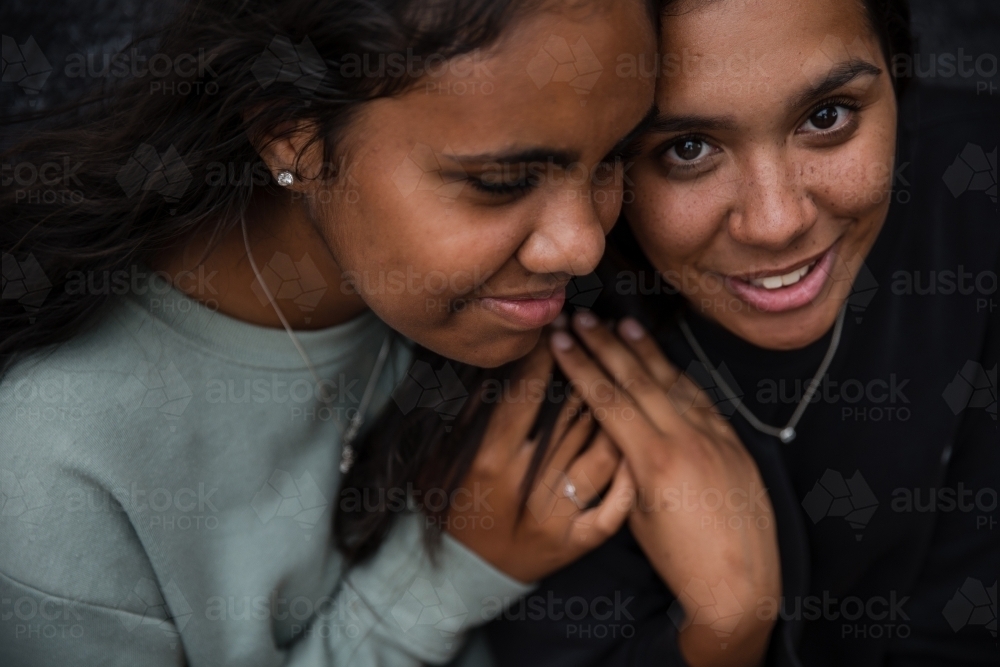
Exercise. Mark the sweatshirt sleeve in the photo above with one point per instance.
(402, 608)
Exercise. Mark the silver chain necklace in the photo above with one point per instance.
(347, 435)
(788, 433)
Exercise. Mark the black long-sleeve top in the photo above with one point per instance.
(886, 501)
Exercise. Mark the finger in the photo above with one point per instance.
(691, 402)
(615, 410)
(511, 420)
(628, 372)
(593, 470)
(552, 493)
(573, 439)
(648, 352)
(572, 411)
(592, 527)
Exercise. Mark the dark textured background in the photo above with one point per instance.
(64, 27)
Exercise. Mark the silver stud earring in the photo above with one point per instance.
(285, 178)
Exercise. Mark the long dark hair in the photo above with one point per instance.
(140, 173)
(150, 181)
(152, 161)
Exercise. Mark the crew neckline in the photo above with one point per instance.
(746, 359)
(245, 343)
(749, 365)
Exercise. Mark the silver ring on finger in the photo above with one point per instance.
(570, 492)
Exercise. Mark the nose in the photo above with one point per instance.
(774, 207)
(567, 238)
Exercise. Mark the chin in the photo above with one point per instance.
(790, 330)
(489, 350)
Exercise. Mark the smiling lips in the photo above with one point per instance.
(773, 294)
(528, 312)
(794, 289)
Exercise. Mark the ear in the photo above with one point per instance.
(291, 147)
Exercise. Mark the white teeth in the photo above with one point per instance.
(774, 282)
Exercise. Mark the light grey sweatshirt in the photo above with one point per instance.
(166, 489)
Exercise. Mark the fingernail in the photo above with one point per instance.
(586, 320)
(562, 341)
(631, 329)
(560, 322)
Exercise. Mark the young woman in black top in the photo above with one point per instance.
(825, 250)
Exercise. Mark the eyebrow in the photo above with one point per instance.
(839, 75)
(557, 156)
(562, 158)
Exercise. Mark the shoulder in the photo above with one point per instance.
(89, 393)
(68, 423)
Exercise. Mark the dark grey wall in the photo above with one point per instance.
(970, 28)
(61, 28)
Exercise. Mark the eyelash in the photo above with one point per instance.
(518, 189)
(851, 104)
(691, 165)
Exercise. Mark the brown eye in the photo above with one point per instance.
(825, 118)
(689, 149)
(828, 118)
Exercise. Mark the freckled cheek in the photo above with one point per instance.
(674, 223)
(851, 184)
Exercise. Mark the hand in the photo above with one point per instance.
(554, 530)
(702, 514)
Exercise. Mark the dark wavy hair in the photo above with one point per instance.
(233, 90)
(237, 71)
(890, 21)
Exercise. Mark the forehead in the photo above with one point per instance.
(552, 81)
(753, 51)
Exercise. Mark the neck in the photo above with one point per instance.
(292, 257)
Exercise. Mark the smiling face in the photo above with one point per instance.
(767, 175)
(474, 198)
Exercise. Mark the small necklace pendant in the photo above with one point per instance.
(347, 452)
(787, 434)
(346, 459)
